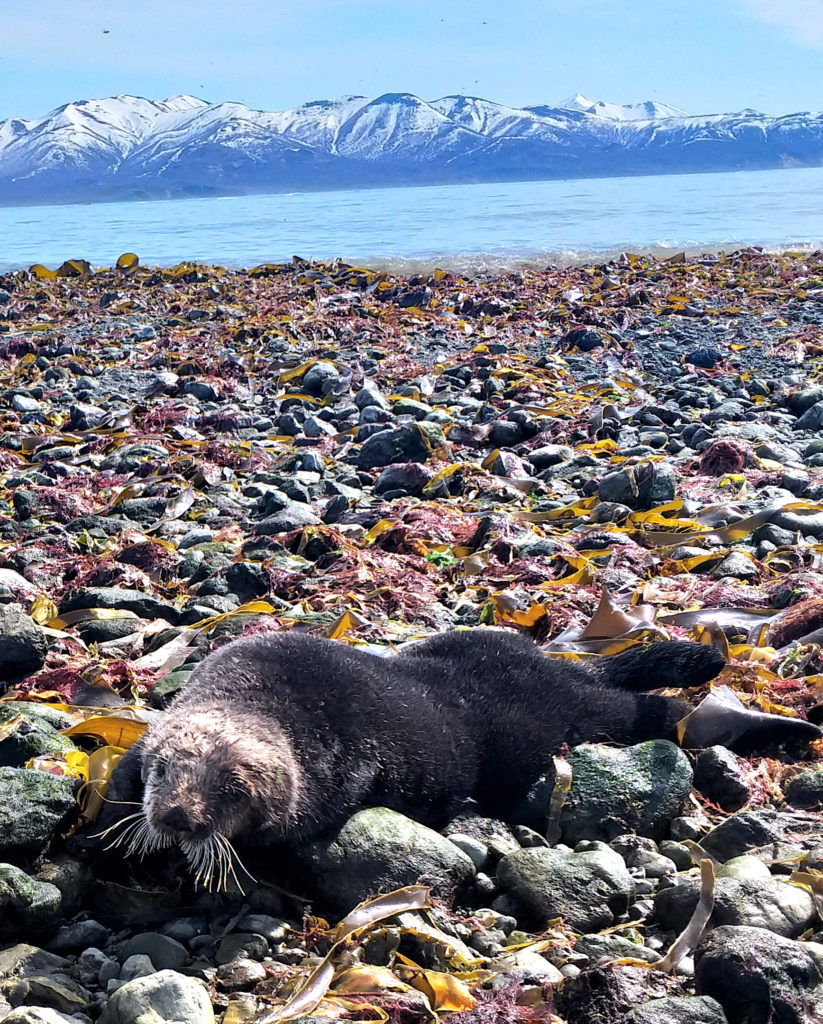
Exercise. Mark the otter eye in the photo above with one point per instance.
(160, 769)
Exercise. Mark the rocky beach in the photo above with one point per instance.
(599, 456)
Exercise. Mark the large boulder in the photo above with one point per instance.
(412, 443)
(377, 850)
(28, 907)
(765, 903)
(617, 790)
(759, 977)
(30, 731)
(34, 807)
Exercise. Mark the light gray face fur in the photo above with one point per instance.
(208, 780)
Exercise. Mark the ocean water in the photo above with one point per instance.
(463, 227)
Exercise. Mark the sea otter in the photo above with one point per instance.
(278, 737)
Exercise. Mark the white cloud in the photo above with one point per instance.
(801, 20)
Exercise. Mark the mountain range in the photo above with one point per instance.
(126, 147)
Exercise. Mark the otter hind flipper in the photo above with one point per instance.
(670, 663)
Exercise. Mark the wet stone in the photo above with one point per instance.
(23, 644)
(720, 775)
(806, 789)
(241, 945)
(757, 902)
(587, 888)
(758, 977)
(35, 806)
(163, 951)
(146, 606)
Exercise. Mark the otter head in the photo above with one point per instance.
(211, 778)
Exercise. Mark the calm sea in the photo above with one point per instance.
(469, 227)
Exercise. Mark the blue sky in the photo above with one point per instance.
(702, 55)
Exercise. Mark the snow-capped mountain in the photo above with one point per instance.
(127, 147)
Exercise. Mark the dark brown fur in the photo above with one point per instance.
(278, 737)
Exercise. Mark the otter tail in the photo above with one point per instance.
(657, 665)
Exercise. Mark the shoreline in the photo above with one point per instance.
(494, 265)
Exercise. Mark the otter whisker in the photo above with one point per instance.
(234, 856)
(201, 860)
(127, 835)
(118, 824)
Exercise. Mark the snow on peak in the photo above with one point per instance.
(648, 110)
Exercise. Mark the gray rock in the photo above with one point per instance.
(27, 907)
(24, 403)
(316, 377)
(23, 644)
(736, 566)
(241, 945)
(652, 864)
(83, 416)
(811, 419)
(679, 1010)
(405, 478)
(473, 848)
(720, 775)
(129, 458)
(759, 977)
(80, 935)
(239, 975)
(744, 866)
(805, 790)
(138, 965)
(588, 889)
(294, 516)
(378, 850)
(271, 500)
(613, 947)
(100, 631)
(34, 806)
(37, 1015)
(677, 853)
(201, 389)
(58, 991)
(401, 444)
(797, 522)
(164, 996)
(314, 426)
(549, 455)
(410, 407)
(642, 486)
(760, 828)
(73, 877)
(23, 960)
(192, 537)
(633, 789)
(91, 964)
(145, 606)
(368, 396)
(27, 734)
(164, 952)
(143, 510)
(799, 401)
(272, 928)
(755, 902)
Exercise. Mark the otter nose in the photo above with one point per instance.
(177, 819)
